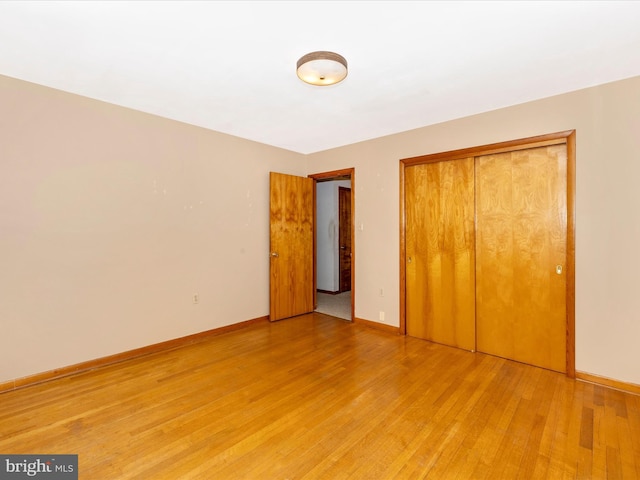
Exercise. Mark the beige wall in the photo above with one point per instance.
(607, 123)
(111, 219)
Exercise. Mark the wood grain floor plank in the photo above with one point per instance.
(315, 397)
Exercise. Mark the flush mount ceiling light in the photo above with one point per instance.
(322, 68)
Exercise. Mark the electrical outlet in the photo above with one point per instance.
(382, 292)
(381, 316)
(196, 298)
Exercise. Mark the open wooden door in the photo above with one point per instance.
(291, 246)
(344, 237)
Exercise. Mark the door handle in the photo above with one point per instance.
(343, 247)
(559, 269)
(274, 254)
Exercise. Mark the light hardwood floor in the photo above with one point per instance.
(315, 397)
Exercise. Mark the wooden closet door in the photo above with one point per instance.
(521, 255)
(440, 268)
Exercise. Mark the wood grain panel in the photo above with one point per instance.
(291, 245)
(521, 238)
(440, 265)
(493, 148)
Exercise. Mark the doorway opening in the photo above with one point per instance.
(334, 243)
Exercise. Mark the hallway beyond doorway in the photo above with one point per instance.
(338, 305)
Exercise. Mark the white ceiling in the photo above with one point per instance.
(230, 66)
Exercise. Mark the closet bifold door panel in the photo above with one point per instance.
(439, 252)
(521, 242)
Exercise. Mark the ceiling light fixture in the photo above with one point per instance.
(322, 68)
